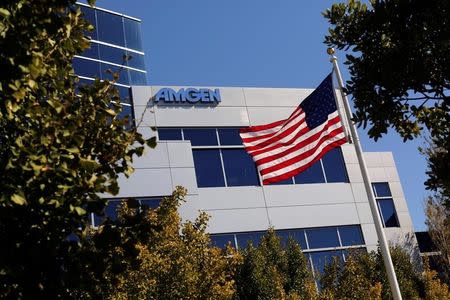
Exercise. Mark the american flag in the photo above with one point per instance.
(286, 148)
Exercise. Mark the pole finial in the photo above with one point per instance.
(330, 51)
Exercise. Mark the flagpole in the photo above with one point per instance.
(367, 183)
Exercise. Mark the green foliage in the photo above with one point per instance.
(150, 254)
(59, 147)
(398, 55)
(271, 272)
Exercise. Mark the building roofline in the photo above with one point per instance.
(109, 11)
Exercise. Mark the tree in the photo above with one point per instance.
(399, 64)
(269, 271)
(150, 254)
(60, 146)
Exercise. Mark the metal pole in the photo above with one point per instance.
(367, 183)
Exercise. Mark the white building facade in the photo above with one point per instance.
(325, 209)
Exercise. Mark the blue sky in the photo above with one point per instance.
(263, 43)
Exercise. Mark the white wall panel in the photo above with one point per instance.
(313, 216)
(373, 159)
(275, 96)
(354, 173)
(387, 159)
(231, 197)
(236, 220)
(370, 234)
(144, 116)
(391, 174)
(180, 154)
(146, 182)
(359, 192)
(364, 213)
(308, 194)
(264, 115)
(184, 177)
(153, 158)
(396, 189)
(377, 174)
(141, 94)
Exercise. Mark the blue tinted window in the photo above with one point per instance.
(229, 136)
(112, 54)
(381, 189)
(287, 181)
(313, 174)
(208, 168)
(110, 28)
(201, 136)
(169, 134)
(124, 94)
(388, 213)
(296, 234)
(222, 240)
(239, 168)
(136, 60)
(110, 211)
(92, 51)
(87, 68)
(244, 239)
(322, 238)
(89, 15)
(150, 202)
(127, 113)
(351, 235)
(334, 166)
(106, 70)
(323, 258)
(138, 78)
(133, 34)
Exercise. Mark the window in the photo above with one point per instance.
(322, 258)
(222, 240)
(86, 67)
(322, 237)
(385, 203)
(132, 34)
(238, 168)
(297, 235)
(138, 78)
(89, 15)
(112, 207)
(92, 51)
(110, 28)
(208, 167)
(351, 235)
(112, 54)
(243, 239)
(108, 70)
(135, 60)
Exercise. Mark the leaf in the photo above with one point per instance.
(18, 199)
(80, 211)
(4, 12)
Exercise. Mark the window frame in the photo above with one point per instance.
(384, 198)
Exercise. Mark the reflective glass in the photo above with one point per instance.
(136, 60)
(286, 181)
(239, 168)
(127, 112)
(322, 237)
(244, 239)
(112, 54)
(201, 136)
(323, 258)
(124, 94)
(138, 78)
(133, 34)
(222, 240)
(169, 134)
(334, 166)
(89, 15)
(313, 174)
(388, 212)
(150, 202)
(106, 70)
(351, 235)
(381, 189)
(110, 211)
(110, 28)
(208, 168)
(297, 235)
(229, 136)
(92, 51)
(85, 67)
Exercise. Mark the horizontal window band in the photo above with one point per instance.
(117, 46)
(110, 63)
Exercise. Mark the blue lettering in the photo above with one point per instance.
(204, 95)
(192, 95)
(179, 96)
(215, 95)
(163, 94)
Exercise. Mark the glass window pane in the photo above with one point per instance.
(112, 54)
(222, 240)
(89, 15)
(381, 189)
(138, 78)
(388, 212)
(127, 112)
(92, 51)
(136, 60)
(124, 94)
(313, 174)
(201, 136)
(334, 166)
(239, 168)
(287, 181)
(169, 134)
(106, 70)
(229, 136)
(150, 202)
(208, 168)
(110, 28)
(109, 211)
(297, 234)
(323, 258)
(133, 34)
(351, 235)
(322, 237)
(85, 67)
(244, 239)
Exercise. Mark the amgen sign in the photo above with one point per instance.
(189, 95)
